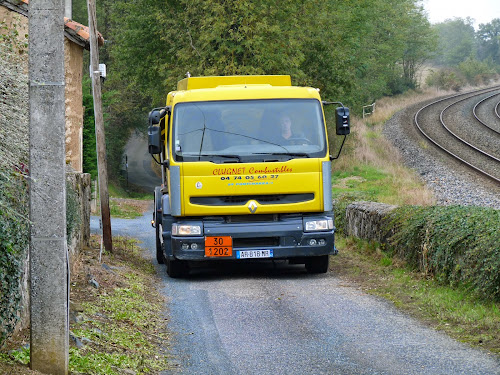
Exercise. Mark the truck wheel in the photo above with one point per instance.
(318, 264)
(177, 268)
(159, 251)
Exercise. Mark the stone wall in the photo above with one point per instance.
(366, 220)
(78, 195)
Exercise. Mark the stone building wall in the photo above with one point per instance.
(17, 23)
(73, 62)
(78, 196)
(14, 20)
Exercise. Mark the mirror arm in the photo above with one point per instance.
(162, 112)
(330, 103)
(340, 150)
(164, 164)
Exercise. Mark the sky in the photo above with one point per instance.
(482, 11)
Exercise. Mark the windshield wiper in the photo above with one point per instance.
(228, 156)
(303, 154)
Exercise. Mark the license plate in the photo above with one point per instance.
(219, 246)
(251, 254)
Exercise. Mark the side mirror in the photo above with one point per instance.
(154, 140)
(342, 121)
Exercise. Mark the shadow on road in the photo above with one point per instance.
(227, 270)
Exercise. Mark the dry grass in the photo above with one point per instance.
(386, 107)
(375, 150)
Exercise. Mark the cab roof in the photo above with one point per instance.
(194, 89)
(193, 83)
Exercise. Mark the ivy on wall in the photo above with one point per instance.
(14, 222)
(454, 244)
(14, 240)
(14, 177)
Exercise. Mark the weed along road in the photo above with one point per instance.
(276, 319)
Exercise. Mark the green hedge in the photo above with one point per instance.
(454, 244)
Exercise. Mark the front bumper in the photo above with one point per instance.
(285, 237)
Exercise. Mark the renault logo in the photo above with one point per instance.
(252, 207)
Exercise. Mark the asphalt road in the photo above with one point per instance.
(265, 318)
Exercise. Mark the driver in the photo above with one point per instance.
(286, 127)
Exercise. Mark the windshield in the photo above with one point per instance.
(239, 130)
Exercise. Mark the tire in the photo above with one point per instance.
(177, 268)
(318, 264)
(159, 250)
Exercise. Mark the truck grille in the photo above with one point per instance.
(237, 200)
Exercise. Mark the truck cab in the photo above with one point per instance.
(246, 173)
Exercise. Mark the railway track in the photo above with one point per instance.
(485, 102)
(467, 128)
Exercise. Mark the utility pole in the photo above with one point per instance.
(99, 128)
(49, 268)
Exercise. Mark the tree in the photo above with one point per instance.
(489, 41)
(421, 42)
(456, 41)
(233, 37)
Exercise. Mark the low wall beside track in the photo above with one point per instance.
(365, 220)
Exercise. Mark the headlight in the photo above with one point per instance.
(186, 230)
(317, 225)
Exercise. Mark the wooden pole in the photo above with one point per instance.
(99, 128)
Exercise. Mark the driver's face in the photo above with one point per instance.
(286, 127)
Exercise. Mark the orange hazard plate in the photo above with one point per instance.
(221, 246)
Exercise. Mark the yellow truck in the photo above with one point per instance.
(246, 173)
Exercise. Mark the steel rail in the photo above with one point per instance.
(461, 139)
(478, 92)
(496, 112)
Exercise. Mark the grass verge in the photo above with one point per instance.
(449, 309)
(125, 204)
(116, 317)
(118, 191)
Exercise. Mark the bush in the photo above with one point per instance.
(476, 72)
(456, 245)
(445, 79)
